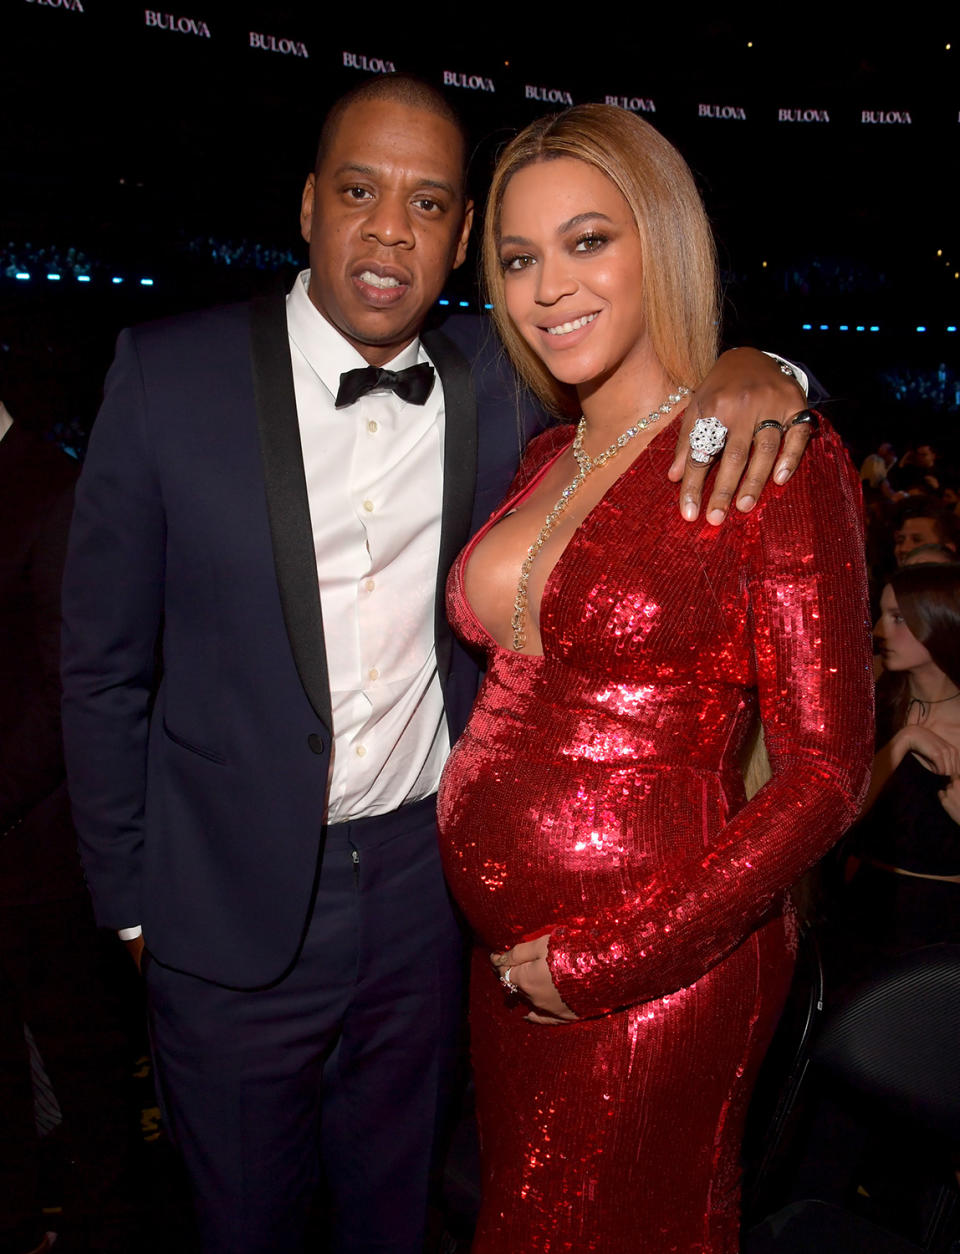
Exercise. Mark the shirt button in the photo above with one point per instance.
(369, 585)
(373, 673)
(372, 426)
(361, 751)
(368, 506)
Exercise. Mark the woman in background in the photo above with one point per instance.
(906, 892)
(593, 817)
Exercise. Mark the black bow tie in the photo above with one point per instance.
(413, 384)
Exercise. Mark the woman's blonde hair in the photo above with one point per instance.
(680, 289)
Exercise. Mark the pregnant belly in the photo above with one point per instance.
(529, 844)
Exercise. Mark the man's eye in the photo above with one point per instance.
(426, 204)
(357, 193)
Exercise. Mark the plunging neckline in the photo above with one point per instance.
(510, 505)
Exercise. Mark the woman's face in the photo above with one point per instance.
(899, 647)
(573, 269)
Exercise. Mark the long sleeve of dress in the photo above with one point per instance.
(803, 563)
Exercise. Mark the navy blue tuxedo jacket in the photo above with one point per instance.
(196, 704)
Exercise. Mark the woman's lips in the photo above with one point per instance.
(566, 328)
(566, 334)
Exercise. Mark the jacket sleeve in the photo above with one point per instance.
(806, 583)
(112, 615)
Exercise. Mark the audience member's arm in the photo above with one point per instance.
(938, 754)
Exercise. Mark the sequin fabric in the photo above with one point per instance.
(597, 795)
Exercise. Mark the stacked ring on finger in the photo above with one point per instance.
(768, 423)
(707, 438)
(507, 983)
(805, 418)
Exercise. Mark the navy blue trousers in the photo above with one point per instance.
(338, 1073)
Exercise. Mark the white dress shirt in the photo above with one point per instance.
(374, 473)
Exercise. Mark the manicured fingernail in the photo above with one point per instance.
(716, 517)
(746, 503)
(690, 511)
(781, 474)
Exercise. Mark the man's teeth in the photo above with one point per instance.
(377, 280)
(566, 327)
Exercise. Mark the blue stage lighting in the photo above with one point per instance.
(443, 302)
(843, 327)
(116, 279)
(824, 327)
(874, 328)
(806, 326)
(921, 328)
(146, 282)
(83, 278)
(951, 328)
(464, 304)
(54, 278)
(488, 306)
(21, 275)
(861, 328)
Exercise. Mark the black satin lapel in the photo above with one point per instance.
(459, 471)
(287, 504)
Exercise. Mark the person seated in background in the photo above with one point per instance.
(918, 470)
(893, 886)
(923, 520)
(906, 892)
(874, 474)
(50, 953)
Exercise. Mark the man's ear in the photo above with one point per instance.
(306, 207)
(464, 235)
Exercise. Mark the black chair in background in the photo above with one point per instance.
(894, 1042)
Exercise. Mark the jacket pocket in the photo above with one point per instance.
(199, 750)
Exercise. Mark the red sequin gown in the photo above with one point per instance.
(596, 795)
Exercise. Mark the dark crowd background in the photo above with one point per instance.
(135, 152)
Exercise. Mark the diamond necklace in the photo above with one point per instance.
(586, 466)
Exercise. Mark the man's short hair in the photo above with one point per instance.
(944, 519)
(404, 89)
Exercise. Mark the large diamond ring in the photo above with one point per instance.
(706, 439)
(507, 983)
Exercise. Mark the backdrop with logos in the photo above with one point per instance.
(154, 156)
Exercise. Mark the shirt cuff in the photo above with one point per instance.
(130, 933)
(794, 371)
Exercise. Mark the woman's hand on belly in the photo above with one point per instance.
(531, 975)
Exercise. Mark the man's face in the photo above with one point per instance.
(913, 533)
(386, 220)
(925, 457)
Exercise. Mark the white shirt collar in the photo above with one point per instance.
(326, 350)
(6, 422)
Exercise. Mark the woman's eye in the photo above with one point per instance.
(590, 243)
(519, 262)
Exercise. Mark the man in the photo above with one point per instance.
(917, 471)
(923, 520)
(266, 812)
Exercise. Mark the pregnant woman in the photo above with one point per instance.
(594, 820)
